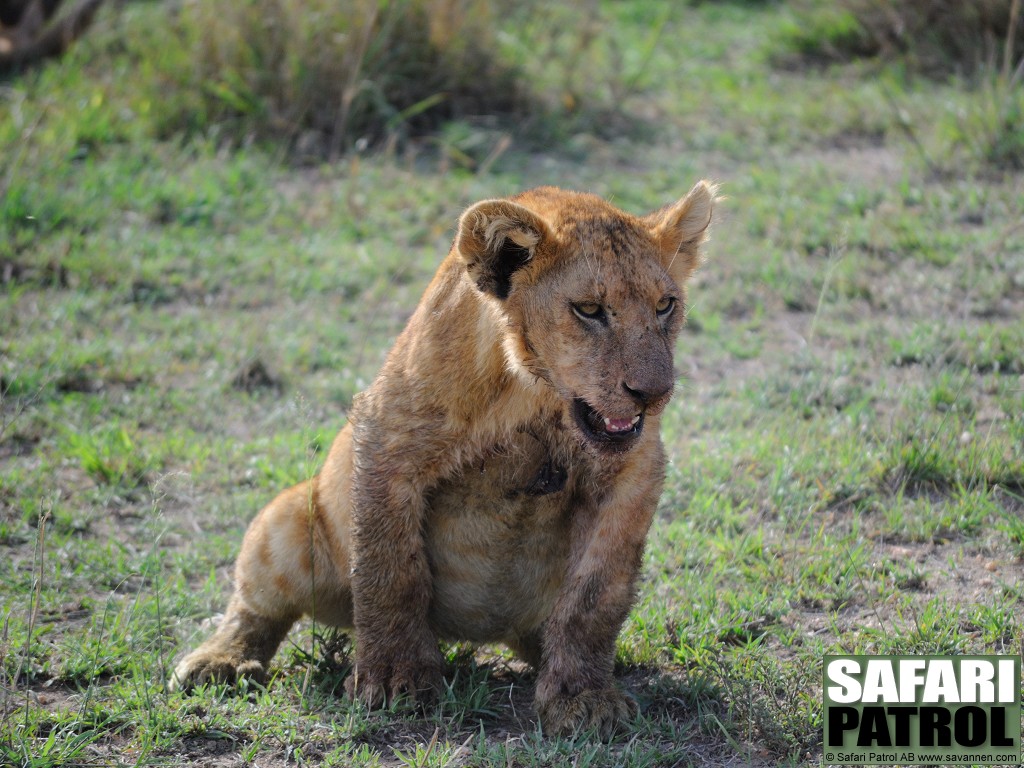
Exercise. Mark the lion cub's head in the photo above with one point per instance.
(593, 297)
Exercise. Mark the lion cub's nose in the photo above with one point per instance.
(645, 393)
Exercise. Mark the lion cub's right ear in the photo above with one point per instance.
(495, 238)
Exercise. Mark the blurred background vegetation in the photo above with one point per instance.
(317, 78)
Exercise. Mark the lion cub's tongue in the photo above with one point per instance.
(619, 425)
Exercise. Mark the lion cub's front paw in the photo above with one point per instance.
(380, 681)
(204, 666)
(599, 709)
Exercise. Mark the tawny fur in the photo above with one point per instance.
(467, 498)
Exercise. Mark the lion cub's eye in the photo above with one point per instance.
(588, 310)
(665, 306)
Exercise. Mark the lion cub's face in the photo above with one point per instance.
(594, 298)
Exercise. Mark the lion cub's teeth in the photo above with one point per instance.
(619, 425)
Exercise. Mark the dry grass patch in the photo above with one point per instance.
(322, 75)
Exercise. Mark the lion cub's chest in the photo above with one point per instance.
(498, 537)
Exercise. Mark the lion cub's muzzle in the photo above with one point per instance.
(622, 432)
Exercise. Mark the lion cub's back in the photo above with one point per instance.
(497, 537)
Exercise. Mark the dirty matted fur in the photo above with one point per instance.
(497, 481)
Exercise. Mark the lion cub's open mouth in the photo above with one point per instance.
(603, 431)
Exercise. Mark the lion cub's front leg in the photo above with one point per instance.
(396, 651)
(576, 689)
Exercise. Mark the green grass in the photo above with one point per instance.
(847, 444)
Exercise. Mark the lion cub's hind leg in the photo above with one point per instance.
(286, 568)
(241, 647)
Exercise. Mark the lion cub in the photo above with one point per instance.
(497, 481)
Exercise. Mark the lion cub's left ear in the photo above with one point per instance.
(496, 238)
(682, 227)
